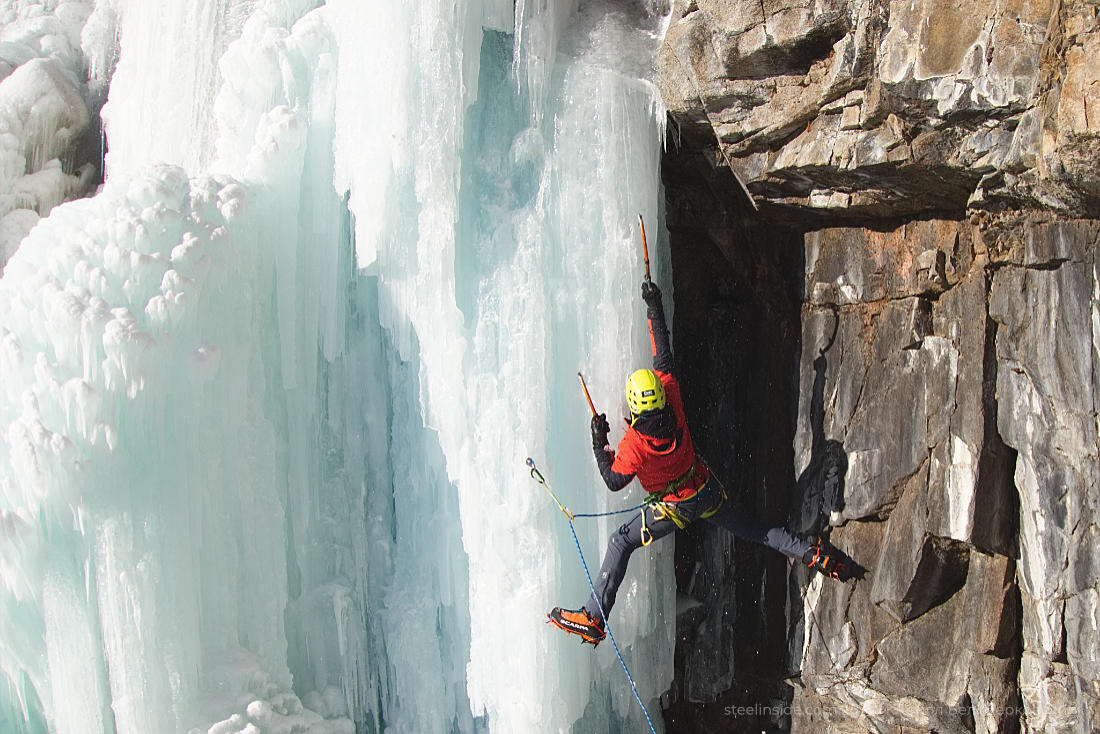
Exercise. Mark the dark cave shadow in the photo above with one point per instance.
(819, 489)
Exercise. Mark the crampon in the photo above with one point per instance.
(578, 622)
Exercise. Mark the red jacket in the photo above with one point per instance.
(667, 457)
(660, 462)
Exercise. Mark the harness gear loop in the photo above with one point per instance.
(653, 502)
(717, 503)
(681, 481)
(663, 509)
(646, 535)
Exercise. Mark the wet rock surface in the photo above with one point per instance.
(922, 195)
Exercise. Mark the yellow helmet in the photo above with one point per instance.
(644, 391)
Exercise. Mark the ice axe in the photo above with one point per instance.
(587, 396)
(645, 247)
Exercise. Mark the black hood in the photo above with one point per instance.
(657, 423)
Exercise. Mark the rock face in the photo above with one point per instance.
(862, 109)
(930, 173)
(971, 488)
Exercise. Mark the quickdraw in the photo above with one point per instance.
(663, 509)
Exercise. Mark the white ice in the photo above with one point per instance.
(266, 397)
(43, 111)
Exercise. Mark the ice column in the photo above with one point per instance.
(266, 398)
(500, 219)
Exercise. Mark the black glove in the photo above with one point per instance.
(651, 294)
(600, 429)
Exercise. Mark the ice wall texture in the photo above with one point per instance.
(268, 394)
(45, 113)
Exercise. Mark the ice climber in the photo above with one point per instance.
(657, 449)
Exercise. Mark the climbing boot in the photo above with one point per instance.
(823, 559)
(578, 622)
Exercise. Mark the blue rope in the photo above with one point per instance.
(606, 514)
(607, 627)
(537, 476)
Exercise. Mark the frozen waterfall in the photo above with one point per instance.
(266, 396)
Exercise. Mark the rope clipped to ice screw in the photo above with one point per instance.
(537, 476)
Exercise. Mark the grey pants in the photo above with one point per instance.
(730, 517)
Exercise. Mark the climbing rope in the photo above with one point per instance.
(537, 476)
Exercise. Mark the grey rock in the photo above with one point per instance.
(916, 570)
(927, 69)
(991, 603)
(917, 259)
(1046, 387)
(941, 162)
(897, 335)
(994, 704)
(905, 669)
